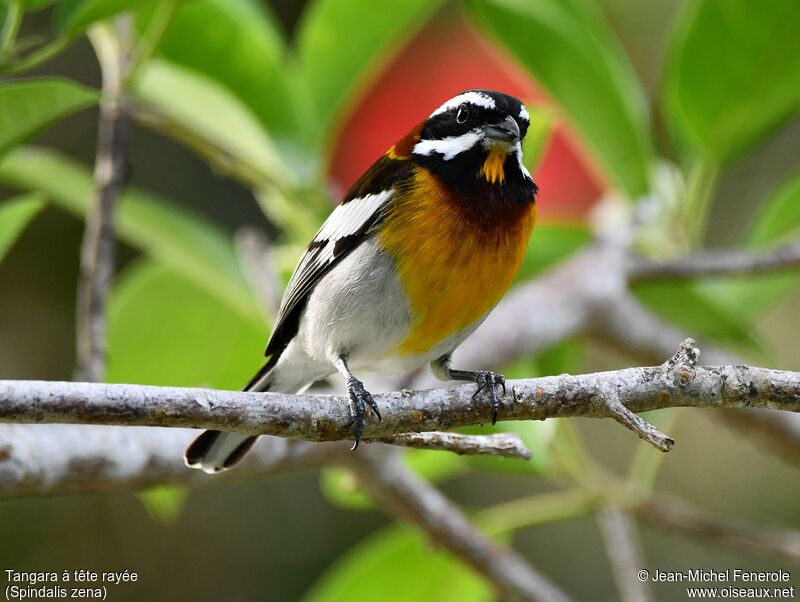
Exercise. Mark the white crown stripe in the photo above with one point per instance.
(523, 114)
(475, 98)
(447, 147)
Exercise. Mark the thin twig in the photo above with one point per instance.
(49, 459)
(405, 495)
(506, 445)
(681, 365)
(634, 330)
(638, 425)
(680, 517)
(57, 459)
(150, 39)
(11, 25)
(730, 262)
(111, 166)
(624, 552)
(778, 432)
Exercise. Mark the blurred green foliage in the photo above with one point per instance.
(222, 79)
(399, 564)
(732, 74)
(587, 73)
(15, 214)
(29, 106)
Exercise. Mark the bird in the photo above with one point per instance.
(406, 267)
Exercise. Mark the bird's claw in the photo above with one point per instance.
(486, 378)
(358, 400)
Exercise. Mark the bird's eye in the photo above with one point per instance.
(463, 113)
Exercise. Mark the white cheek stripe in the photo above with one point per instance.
(522, 168)
(447, 147)
(475, 98)
(523, 114)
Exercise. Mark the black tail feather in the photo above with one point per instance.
(200, 447)
(240, 452)
(197, 454)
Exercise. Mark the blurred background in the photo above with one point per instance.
(251, 118)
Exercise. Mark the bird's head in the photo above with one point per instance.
(473, 138)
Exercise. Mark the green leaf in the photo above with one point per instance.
(777, 222)
(237, 43)
(165, 329)
(36, 4)
(539, 132)
(164, 504)
(573, 54)
(73, 16)
(549, 244)
(779, 216)
(435, 466)
(15, 215)
(733, 73)
(187, 99)
(189, 244)
(535, 434)
(340, 486)
(30, 106)
(699, 312)
(396, 565)
(341, 42)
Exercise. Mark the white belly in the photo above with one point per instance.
(358, 310)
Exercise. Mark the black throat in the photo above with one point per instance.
(462, 176)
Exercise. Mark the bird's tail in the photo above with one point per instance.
(215, 451)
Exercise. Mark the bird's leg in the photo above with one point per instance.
(358, 399)
(441, 368)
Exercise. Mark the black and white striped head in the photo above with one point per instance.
(475, 137)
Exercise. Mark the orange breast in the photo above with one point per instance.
(454, 267)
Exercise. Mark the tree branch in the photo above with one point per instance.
(632, 329)
(49, 459)
(506, 445)
(729, 262)
(624, 553)
(682, 518)
(775, 431)
(397, 489)
(325, 417)
(111, 165)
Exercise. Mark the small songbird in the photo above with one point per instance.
(408, 265)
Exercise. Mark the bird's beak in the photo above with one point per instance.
(506, 130)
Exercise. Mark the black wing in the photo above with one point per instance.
(352, 222)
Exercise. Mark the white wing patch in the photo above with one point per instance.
(348, 219)
(475, 98)
(523, 114)
(448, 147)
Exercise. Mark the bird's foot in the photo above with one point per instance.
(358, 400)
(484, 379)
